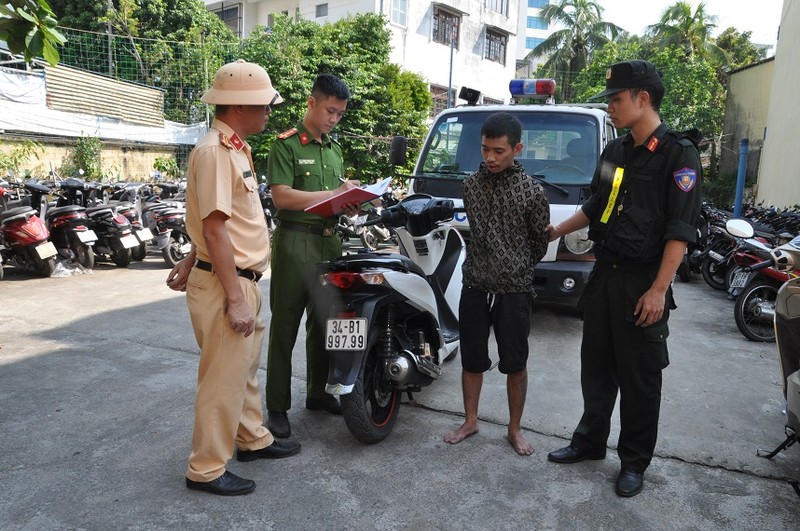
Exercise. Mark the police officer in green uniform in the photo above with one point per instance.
(305, 167)
(641, 214)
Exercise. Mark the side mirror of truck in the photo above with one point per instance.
(397, 153)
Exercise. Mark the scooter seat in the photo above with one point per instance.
(57, 211)
(95, 209)
(14, 213)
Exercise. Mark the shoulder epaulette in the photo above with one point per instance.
(225, 141)
(286, 134)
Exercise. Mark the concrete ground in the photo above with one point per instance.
(97, 376)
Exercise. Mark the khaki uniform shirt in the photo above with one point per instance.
(221, 177)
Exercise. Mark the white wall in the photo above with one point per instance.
(778, 182)
(412, 46)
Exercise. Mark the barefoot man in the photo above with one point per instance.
(508, 213)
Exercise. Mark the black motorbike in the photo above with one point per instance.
(115, 238)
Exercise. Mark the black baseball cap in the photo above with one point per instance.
(629, 74)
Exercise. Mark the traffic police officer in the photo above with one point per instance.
(230, 251)
(305, 167)
(641, 214)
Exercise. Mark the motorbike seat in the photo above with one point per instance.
(395, 261)
(99, 208)
(16, 213)
(57, 211)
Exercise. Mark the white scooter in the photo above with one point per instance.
(787, 337)
(393, 318)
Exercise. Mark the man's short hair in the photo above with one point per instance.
(656, 94)
(327, 85)
(502, 124)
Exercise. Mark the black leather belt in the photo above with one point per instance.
(316, 230)
(249, 274)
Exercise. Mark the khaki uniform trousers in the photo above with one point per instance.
(227, 404)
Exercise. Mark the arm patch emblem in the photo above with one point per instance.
(685, 178)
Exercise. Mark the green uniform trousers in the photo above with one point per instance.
(293, 277)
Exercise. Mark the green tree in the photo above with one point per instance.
(386, 101)
(29, 27)
(739, 48)
(689, 30)
(570, 50)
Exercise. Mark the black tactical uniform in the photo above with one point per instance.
(642, 196)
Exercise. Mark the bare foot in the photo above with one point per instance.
(521, 446)
(464, 431)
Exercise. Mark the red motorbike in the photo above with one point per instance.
(24, 240)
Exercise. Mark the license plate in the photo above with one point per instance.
(46, 250)
(739, 279)
(346, 334)
(87, 236)
(144, 235)
(129, 241)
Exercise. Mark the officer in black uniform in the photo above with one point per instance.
(641, 214)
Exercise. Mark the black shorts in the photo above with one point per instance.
(510, 316)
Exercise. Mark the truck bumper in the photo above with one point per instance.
(561, 281)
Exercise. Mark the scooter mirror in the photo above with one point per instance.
(739, 228)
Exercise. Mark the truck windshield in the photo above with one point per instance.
(559, 147)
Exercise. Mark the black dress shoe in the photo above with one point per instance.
(228, 484)
(570, 454)
(276, 450)
(327, 403)
(278, 424)
(629, 483)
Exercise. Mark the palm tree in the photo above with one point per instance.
(569, 50)
(690, 30)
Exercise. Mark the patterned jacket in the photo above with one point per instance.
(508, 213)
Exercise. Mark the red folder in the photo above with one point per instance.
(334, 205)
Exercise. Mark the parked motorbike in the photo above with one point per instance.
(375, 233)
(115, 238)
(786, 258)
(269, 207)
(70, 233)
(143, 236)
(392, 317)
(172, 238)
(24, 240)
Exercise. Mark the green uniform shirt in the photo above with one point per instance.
(299, 161)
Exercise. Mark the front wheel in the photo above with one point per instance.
(370, 411)
(755, 311)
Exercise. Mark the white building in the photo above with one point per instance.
(533, 29)
(488, 38)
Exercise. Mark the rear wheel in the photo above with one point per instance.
(370, 411)
(714, 273)
(84, 254)
(42, 267)
(119, 254)
(755, 310)
(177, 248)
(138, 253)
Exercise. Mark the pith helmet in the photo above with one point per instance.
(241, 83)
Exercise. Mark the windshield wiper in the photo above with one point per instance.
(541, 179)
